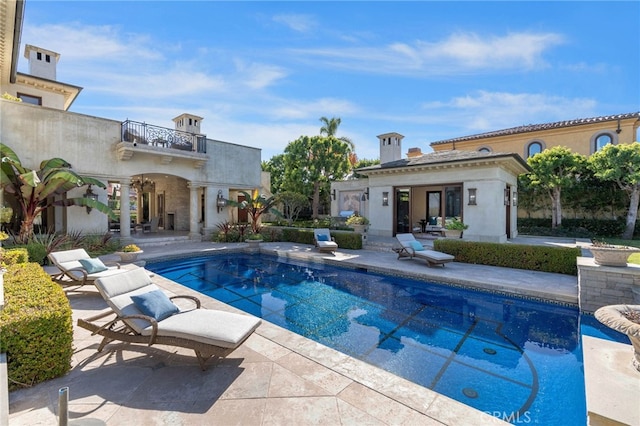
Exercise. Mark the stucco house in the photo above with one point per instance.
(177, 177)
(473, 178)
(404, 194)
(583, 136)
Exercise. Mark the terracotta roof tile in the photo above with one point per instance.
(543, 126)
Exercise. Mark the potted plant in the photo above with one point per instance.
(129, 253)
(454, 228)
(626, 320)
(357, 222)
(610, 254)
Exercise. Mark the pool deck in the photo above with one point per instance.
(276, 377)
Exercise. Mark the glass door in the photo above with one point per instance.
(403, 216)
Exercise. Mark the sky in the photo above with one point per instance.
(263, 73)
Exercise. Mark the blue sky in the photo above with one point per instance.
(263, 73)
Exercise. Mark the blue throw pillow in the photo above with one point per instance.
(155, 304)
(93, 266)
(416, 245)
(323, 237)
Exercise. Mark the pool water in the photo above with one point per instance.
(516, 359)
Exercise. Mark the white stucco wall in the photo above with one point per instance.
(89, 143)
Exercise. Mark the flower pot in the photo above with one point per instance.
(129, 256)
(453, 233)
(612, 316)
(360, 229)
(612, 255)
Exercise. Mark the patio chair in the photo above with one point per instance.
(410, 247)
(151, 226)
(145, 314)
(324, 241)
(78, 268)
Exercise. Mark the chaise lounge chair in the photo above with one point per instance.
(324, 241)
(78, 268)
(145, 314)
(410, 247)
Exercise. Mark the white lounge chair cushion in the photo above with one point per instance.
(69, 261)
(435, 256)
(327, 244)
(214, 327)
(219, 328)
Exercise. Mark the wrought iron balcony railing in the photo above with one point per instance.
(142, 133)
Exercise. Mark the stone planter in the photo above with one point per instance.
(128, 256)
(612, 255)
(612, 316)
(360, 229)
(253, 244)
(453, 233)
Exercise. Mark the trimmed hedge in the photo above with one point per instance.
(345, 240)
(560, 260)
(585, 228)
(15, 255)
(36, 330)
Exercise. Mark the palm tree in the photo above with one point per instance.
(330, 128)
(34, 190)
(256, 204)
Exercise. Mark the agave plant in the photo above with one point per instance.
(34, 189)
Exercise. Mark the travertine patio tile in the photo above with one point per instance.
(232, 412)
(315, 373)
(285, 383)
(266, 347)
(301, 411)
(383, 408)
(452, 412)
(253, 381)
(350, 415)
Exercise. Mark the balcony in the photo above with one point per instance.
(168, 144)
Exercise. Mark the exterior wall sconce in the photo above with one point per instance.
(619, 129)
(90, 195)
(365, 194)
(507, 197)
(220, 201)
(472, 196)
(385, 198)
(514, 200)
(333, 194)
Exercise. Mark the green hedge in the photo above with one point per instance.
(36, 330)
(560, 260)
(345, 240)
(15, 255)
(584, 228)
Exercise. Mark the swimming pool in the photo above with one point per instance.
(517, 359)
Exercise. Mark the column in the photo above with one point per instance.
(125, 210)
(194, 229)
(210, 199)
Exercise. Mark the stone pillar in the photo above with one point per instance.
(210, 210)
(125, 212)
(194, 228)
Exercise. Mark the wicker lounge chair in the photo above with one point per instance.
(410, 247)
(142, 313)
(78, 268)
(324, 241)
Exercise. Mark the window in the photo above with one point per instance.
(47, 58)
(484, 149)
(39, 56)
(33, 100)
(534, 148)
(601, 140)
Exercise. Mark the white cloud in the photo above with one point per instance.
(485, 111)
(457, 54)
(297, 22)
(258, 76)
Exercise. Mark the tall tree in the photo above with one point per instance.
(556, 169)
(34, 190)
(330, 128)
(312, 162)
(275, 166)
(621, 164)
(256, 205)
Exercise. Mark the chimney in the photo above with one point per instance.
(390, 147)
(414, 152)
(42, 62)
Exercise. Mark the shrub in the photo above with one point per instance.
(560, 260)
(345, 240)
(35, 327)
(15, 255)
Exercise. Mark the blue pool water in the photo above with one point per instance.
(517, 359)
